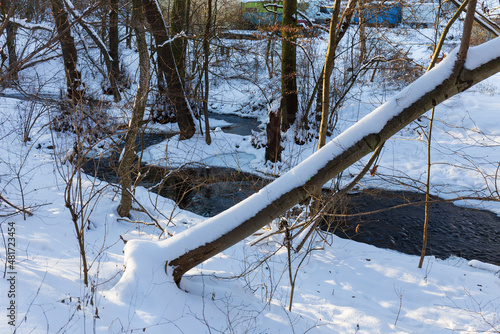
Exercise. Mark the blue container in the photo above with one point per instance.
(382, 14)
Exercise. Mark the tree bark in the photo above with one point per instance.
(104, 52)
(273, 132)
(7, 8)
(228, 228)
(11, 49)
(362, 33)
(336, 35)
(128, 157)
(114, 39)
(206, 55)
(75, 87)
(175, 91)
(179, 24)
(327, 73)
(289, 103)
(467, 31)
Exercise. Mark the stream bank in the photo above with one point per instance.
(208, 190)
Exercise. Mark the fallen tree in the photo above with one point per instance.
(192, 247)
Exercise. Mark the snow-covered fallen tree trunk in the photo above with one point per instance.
(190, 248)
(482, 20)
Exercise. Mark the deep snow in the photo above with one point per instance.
(345, 287)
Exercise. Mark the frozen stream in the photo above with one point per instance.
(453, 230)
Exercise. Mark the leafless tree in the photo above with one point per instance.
(175, 92)
(75, 87)
(141, 96)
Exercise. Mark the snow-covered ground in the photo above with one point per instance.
(340, 287)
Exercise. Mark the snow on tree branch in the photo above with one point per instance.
(188, 249)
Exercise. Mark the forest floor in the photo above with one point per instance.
(341, 286)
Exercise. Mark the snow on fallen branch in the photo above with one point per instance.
(197, 244)
(482, 20)
(484, 266)
(26, 25)
(170, 40)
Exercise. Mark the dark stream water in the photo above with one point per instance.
(452, 230)
(207, 191)
(242, 126)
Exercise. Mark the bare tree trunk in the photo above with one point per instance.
(11, 48)
(141, 96)
(75, 88)
(175, 90)
(104, 52)
(327, 73)
(7, 9)
(289, 100)
(178, 25)
(114, 39)
(467, 29)
(362, 33)
(230, 227)
(336, 35)
(206, 54)
(273, 131)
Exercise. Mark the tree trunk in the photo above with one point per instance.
(128, 157)
(467, 31)
(273, 131)
(362, 33)
(231, 226)
(336, 35)
(104, 52)
(7, 9)
(328, 69)
(178, 25)
(75, 88)
(11, 49)
(175, 91)
(289, 104)
(206, 54)
(114, 40)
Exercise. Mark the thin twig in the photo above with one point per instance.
(16, 207)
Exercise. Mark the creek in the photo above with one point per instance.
(207, 191)
(452, 230)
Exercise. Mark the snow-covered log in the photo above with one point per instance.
(190, 248)
(482, 20)
(235, 224)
